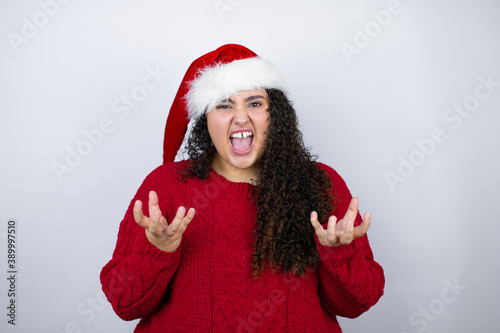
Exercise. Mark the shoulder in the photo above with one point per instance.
(340, 192)
(336, 179)
(168, 172)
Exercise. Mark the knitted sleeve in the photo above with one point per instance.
(137, 276)
(350, 280)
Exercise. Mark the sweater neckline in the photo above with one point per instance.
(228, 184)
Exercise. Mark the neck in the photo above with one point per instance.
(233, 174)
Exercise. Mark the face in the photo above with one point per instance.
(238, 128)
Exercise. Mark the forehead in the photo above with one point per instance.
(242, 95)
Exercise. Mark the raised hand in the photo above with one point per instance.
(342, 232)
(166, 237)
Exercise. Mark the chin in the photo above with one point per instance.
(243, 164)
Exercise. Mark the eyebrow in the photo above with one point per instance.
(249, 98)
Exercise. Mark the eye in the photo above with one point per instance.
(255, 104)
(223, 107)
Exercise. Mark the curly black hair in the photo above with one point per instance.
(289, 186)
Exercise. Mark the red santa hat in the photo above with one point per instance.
(211, 78)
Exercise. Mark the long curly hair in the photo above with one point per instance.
(289, 186)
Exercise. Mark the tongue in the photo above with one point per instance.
(241, 144)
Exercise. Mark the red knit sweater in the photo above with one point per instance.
(206, 285)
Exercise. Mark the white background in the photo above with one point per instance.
(361, 112)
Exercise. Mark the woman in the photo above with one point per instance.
(232, 239)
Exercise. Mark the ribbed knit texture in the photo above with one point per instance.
(207, 284)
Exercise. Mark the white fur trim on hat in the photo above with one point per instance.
(221, 81)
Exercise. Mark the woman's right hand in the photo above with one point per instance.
(166, 237)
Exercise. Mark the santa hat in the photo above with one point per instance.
(210, 79)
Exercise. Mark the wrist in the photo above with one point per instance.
(165, 246)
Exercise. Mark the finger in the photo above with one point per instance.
(362, 229)
(190, 215)
(138, 215)
(186, 220)
(155, 226)
(176, 222)
(348, 234)
(318, 228)
(352, 211)
(331, 235)
(153, 203)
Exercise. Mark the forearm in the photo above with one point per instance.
(137, 277)
(350, 280)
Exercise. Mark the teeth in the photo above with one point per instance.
(240, 135)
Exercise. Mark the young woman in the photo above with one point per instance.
(249, 234)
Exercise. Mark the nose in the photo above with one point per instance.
(240, 116)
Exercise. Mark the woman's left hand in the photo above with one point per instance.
(342, 232)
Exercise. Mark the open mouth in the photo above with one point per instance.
(241, 142)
